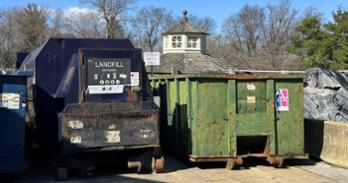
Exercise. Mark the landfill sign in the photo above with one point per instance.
(282, 99)
(108, 75)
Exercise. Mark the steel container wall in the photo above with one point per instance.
(13, 92)
(214, 117)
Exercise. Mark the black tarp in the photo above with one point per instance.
(326, 95)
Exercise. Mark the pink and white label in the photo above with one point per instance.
(282, 99)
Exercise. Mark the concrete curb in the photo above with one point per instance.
(335, 143)
(327, 140)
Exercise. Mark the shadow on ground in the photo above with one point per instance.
(42, 170)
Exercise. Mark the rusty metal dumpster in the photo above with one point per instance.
(225, 117)
(92, 95)
(12, 119)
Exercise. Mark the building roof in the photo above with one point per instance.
(184, 27)
(281, 62)
(189, 63)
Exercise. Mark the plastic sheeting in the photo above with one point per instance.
(326, 95)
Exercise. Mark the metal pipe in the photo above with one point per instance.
(269, 71)
(343, 71)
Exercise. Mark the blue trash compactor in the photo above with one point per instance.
(13, 101)
(92, 97)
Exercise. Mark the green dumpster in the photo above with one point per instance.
(226, 117)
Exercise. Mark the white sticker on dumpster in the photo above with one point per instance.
(251, 99)
(251, 86)
(75, 124)
(112, 136)
(76, 139)
(10, 100)
(105, 89)
(134, 78)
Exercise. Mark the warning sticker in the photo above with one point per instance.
(10, 100)
(251, 99)
(134, 78)
(282, 100)
(112, 136)
(105, 89)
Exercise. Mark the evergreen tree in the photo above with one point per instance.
(323, 45)
(337, 43)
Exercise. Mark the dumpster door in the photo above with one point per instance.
(252, 108)
(289, 117)
(253, 116)
(212, 132)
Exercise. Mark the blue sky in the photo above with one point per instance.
(216, 9)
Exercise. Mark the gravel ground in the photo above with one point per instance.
(254, 170)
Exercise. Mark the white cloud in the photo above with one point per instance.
(77, 11)
(73, 11)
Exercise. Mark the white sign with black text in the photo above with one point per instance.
(152, 58)
(134, 78)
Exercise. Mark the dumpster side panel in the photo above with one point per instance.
(163, 93)
(271, 115)
(212, 134)
(12, 111)
(251, 96)
(109, 130)
(192, 113)
(252, 108)
(183, 128)
(175, 127)
(171, 104)
(290, 125)
(232, 117)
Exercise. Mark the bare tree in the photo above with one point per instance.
(278, 27)
(77, 23)
(256, 30)
(32, 21)
(206, 24)
(9, 37)
(147, 26)
(244, 29)
(217, 46)
(113, 12)
(85, 25)
(56, 19)
(233, 32)
(252, 19)
(256, 34)
(309, 12)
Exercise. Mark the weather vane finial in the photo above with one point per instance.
(184, 13)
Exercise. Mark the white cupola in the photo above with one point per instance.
(183, 38)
